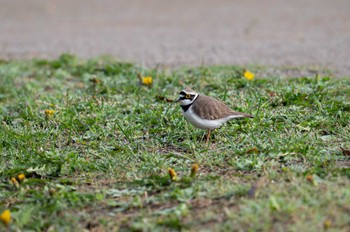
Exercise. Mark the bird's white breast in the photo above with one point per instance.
(204, 123)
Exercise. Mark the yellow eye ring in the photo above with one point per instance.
(187, 96)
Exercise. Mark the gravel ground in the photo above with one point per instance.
(312, 33)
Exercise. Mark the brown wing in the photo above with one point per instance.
(210, 108)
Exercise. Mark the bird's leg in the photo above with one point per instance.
(208, 137)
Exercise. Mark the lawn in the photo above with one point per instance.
(95, 146)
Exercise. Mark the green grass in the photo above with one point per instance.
(100, 162)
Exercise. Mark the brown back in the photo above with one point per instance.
(210, 108)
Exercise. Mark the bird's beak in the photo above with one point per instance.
(177, 100)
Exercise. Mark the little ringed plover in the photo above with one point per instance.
(205, 112)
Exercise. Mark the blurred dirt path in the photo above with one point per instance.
(314, 33)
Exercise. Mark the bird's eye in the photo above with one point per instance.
(187, 96)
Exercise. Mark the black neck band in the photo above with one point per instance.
(186, 107)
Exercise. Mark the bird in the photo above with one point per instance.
(205, 112)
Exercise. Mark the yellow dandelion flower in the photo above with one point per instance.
(5, 217)
(194, 169)
(15, 182)
(49, 113)
(21, 177)
(248, 75)
(147, 80)
(310, 178)
(172, 174)
(327, 224)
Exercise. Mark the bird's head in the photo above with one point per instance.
(187, 97)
